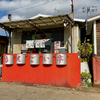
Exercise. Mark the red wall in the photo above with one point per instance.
(68, 75)
(96, 69)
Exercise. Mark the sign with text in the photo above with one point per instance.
(30, 44)
(57, 44)
(40, 43)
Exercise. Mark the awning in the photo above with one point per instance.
(38, 23)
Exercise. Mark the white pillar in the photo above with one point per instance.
(94, 36)
(72, 51)
(11, 48)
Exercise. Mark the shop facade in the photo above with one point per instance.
(53, 40)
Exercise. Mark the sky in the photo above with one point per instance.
(24, 9)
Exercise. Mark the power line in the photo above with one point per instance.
(25, 6)
(34, 6)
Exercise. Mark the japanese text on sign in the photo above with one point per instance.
(18, 59)
(6, 59)
(30, 44)
(45, 58)
(32, 58)
(60, 58)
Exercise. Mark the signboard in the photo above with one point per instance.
(30, 44)
(61, 59)
(56, 45)
(47, 58)
(9, 59)
(20, 59)
(23, 47)
(39, 44)
(34, 59)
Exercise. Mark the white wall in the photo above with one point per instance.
(67, 38)
(16, 42)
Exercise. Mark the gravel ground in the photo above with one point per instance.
(18, 91)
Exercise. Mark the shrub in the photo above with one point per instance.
(85, 51)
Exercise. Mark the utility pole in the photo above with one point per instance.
(72, 28)
(9, 17)
(10, 36)
(72, 9)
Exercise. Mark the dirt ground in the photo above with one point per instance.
(18, 91)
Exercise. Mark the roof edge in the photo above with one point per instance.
(93, 18)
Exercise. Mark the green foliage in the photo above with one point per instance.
(86, 76)
(85, 50)
(83, 59)
(89, 84)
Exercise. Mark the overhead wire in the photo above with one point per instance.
(26, 5)
(32, 5)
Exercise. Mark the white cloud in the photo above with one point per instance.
(22, 9)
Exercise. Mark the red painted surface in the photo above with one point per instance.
(96, 69)
(67, 75)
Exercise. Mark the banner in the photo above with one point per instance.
(30, 44)
(38, 43)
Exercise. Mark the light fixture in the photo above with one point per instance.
(28, 33)
(65, 24)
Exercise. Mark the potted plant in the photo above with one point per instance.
(85, 55)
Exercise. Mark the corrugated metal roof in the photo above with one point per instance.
(39, 22)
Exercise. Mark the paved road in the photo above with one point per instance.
(18, 91)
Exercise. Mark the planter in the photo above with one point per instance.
(84, 67)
